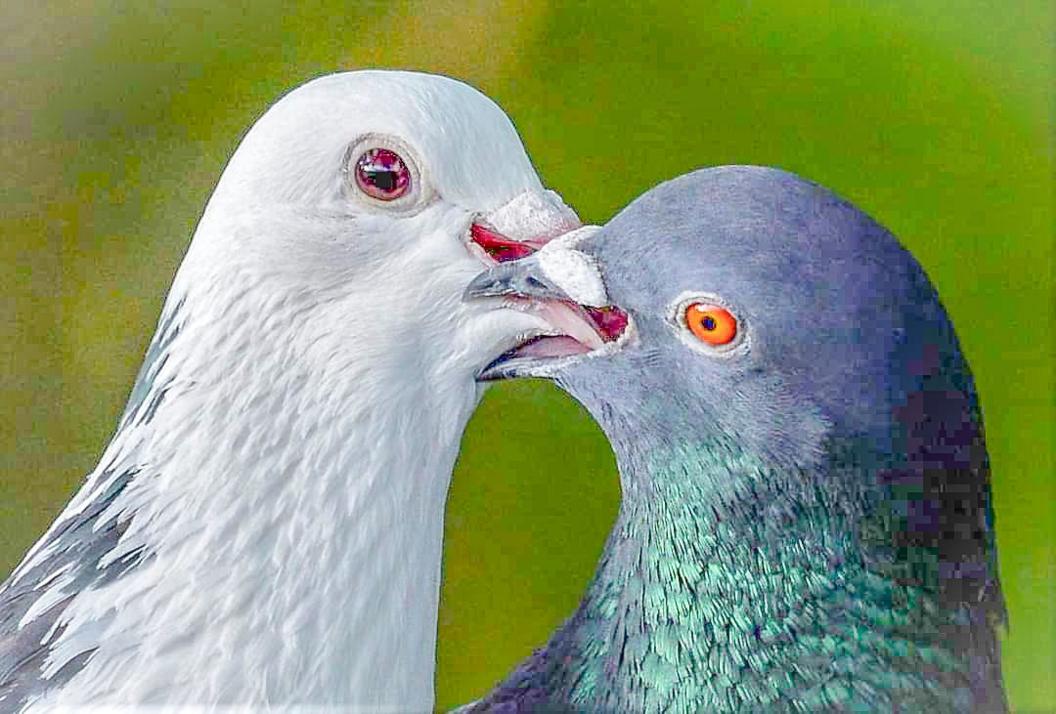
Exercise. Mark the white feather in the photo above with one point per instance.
(291, 485)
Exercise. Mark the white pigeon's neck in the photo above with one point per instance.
(289, 506)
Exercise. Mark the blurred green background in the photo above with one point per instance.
(935, 116)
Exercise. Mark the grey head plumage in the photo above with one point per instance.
(806, 521)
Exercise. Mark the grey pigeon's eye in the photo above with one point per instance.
(382, 174)
(711, 324)
(708, 324)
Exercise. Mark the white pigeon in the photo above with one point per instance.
(265, 527)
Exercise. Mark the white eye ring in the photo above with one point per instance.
(740, 344)
(419, 194)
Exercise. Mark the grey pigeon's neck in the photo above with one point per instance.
(705, 604)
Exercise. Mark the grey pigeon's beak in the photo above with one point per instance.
(564, 288)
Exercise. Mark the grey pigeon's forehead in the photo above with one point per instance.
(749, 231)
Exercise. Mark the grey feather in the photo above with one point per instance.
(76, 548)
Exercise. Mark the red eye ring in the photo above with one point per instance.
(711, 324)
(382, 174)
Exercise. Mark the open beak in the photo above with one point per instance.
(562, 287)
(520, 227)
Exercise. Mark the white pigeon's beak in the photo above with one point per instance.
(564, 288)
(521, 226)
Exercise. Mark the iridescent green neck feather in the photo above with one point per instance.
(766, 598)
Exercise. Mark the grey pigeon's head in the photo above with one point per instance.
(762, 305)
(775, 324)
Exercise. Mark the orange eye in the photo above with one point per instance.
(711, 324)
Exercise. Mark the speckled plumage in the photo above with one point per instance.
(805, 522)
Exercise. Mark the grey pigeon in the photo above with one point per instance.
(806, 519)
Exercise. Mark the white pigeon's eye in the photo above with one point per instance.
(382, 174)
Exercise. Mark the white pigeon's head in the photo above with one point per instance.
(364, 203)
